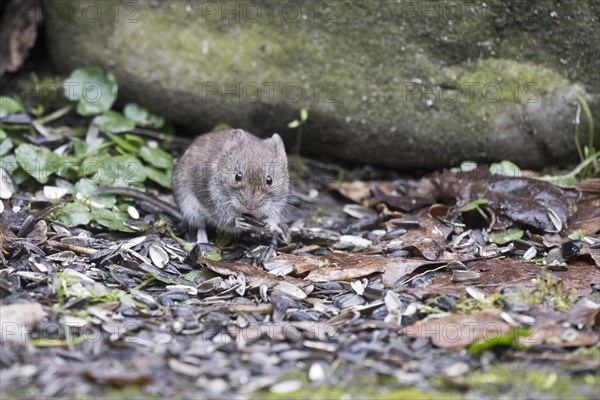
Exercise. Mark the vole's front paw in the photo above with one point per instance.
(279, 231)
(272, 226)
(241, 223)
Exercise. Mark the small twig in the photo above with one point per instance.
(421, 274)
(74, 248)
(249, 308)
(161, 136)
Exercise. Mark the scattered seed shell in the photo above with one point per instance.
(192, 291)
(290, 291)
(133, 212)
(530, 253)
(55, 192)
(7, 185)
(360, 212)
(555, 220)
(158, 255)
(394, 234)
(464, 276)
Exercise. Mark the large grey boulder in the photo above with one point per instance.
(402, 84)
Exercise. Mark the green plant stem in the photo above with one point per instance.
(582, 165)
(577, 144)
(55, 115)
(161, 136)
(588, 115)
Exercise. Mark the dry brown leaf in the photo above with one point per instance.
(38, 233)
(357, 191)
(457, 330)
(334, 267)
(587, 216)
(254, 276)
(429, 240)
(116, 377)
(524, 201)
(571, 328)
(580, 277)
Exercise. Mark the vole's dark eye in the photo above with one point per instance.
(238, 176)
(269, 180)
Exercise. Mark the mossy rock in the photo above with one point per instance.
(414, 84)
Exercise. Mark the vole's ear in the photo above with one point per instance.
(277, 143)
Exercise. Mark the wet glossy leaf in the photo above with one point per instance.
(112, 121)
(163, 178)
(505, 236)
(94, 91)
(123, 144)
(73, 214)
(123, 170)
(157, 157)
(38, 162)
(142, 116)
(85, 188)
(473, 205)
(510, 339)
(505, 168)
(9, 106)
(303, 115)
(6, 144)
(212, 256)
(111, 219)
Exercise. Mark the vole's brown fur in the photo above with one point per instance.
(225, 174)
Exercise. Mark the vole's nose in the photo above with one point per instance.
(251, 204)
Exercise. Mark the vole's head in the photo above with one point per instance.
(254, 175)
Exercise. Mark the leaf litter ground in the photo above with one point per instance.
(386, 287)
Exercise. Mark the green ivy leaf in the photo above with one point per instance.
(156, 157)
(124, 170)
(510, 339)
(9, 106)
(505, 168)
(9, 163)
(86, 187)
(577, 235)
(211, 255)
(135, 140)
(111, 219)
(38, 162)
(506, 236)
(564, 181)
(94, 91)
(73, 214)
(142, 116)
(114, 122)
(475, 204)
(163, 178)
(303, 115)
(198, 273)
(294, 124)
(221, 127)
(136, 113)
(5, 145)
(123, 143)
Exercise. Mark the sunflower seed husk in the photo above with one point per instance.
(158, 255)
(464, 276)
